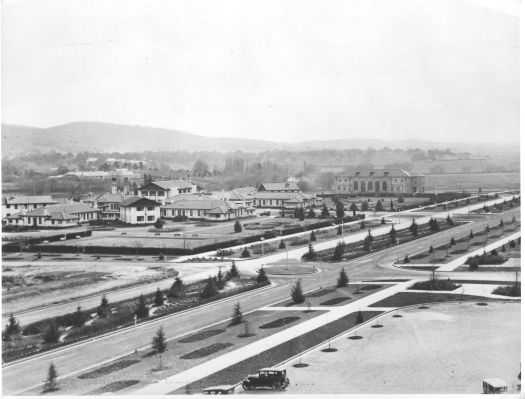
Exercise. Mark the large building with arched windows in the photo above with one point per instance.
(368, 181)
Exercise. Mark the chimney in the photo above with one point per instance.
(126, 185)
(114, 185)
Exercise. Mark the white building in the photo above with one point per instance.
(56, 216)
(24, 203)
(139, 210)
(161, 190)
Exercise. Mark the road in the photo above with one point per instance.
(191, 274)
(27, 373)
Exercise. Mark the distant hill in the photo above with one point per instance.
(106, 137)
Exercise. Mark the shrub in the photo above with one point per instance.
(325, 214)
(159, 224)
(512, 244)
(343, 280)
(338, 253)
(311, 213)
(79, 318)
(237, 227)
(142, 310)
(12, 328)
(297, 293)
(383, 221)
(177, 288)
(311, 254)
(237, 315)
(282, 245)
(435, 285)
(210, 290)
(513, 290)
(431, 249)
(473, 265)
(159, 298)
(234, 272)
(452, 242)
(406, 260)
(245, 253)
(450, 222)
(262, 277)
(52, 334)
(400, 200)
(312, 236)
(362, 225)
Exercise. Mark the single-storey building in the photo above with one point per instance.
(285, 200)
(205, 209)
(287, 187)
(58, 216)
(139, 210)
(391, 181)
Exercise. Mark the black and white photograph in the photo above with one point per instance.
(261, 197)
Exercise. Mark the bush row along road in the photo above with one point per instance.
(69, 360)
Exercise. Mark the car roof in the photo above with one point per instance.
(495, 382)
(278, 368)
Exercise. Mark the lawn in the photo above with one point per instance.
(209, 343)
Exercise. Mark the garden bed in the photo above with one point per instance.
(207, 350)
(279, 322)
(417, 298)
(200, 336)
(104, 370)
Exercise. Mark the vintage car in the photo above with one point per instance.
(273, 378)
(219, 390)
(494, 385)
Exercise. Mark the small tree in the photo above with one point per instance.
(362, 225)
(50, 384)
(311, 213)
(343, 280)
(512, 244)
(311, 254)
(325, 214)
(413, 228)
(353, 208)
(400, 200)
(52, 334)
(234, 272)
(159, 344)
(393, 235)
(282, 244)
(297, 292)
(471, 235)
(220, 280)
(237, 315)
(245, 253)
(431, 250)
(450, 222)
(103, 308)
(312, 236)
(364, 206)
(300, 213)
(237, 227)
(12, 328)
(383, 221)
(262, 277)
(340, 210)
(159, 223)
(452, 242)
(406, 260)
(159, 298)
(142, 310)
(78, 318)
(359, 319)
(339, 230)
(210, 289)
(339, 251)
(177, 288)
(501, 224)
(379, 206)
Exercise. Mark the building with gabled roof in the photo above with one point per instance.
(59, 215)
(286, 187)
(21, 204)
(384, 181)
(109, 205)
(139, 210)
(206, 209)
(285, 200)
(161, 190)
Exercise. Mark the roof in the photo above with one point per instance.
(137, 201)
(66, 208)
(107, 197)
(198, 204)
(495, 382)
(292, 186)
(384, 172)
(279, 196)
(276, 368)
(62, 216)
(186, 197)
(30, 199)
(167, 184)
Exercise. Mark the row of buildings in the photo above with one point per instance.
(167, 199)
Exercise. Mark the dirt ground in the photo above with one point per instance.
(449, 348)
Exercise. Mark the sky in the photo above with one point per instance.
(283, 70)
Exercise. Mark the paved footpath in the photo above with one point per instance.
(180, 380)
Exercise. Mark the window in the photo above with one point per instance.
(385, 186)
(191, 212)
(7, 206)
(151, 218)
(150, 208)
(370, 186)
(16, 206)
(144, 193)
(140, 218)
(161, 193)
(140, 208)
(356, 185)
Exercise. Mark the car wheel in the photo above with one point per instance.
(276, 386)
(246, 386)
